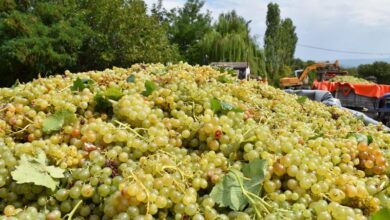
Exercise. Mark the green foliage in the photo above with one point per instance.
(234, 188)
(131, 79)
(149, 88)
(280, 42)
(57, 120)
(302, 99)
(381, 70)
(39, 36)
(123, 34)
(80, 84)
(383, 214)
(221, 107)
(34, 170)
(224, 79)
(113, 93)
(230, 41)
(104, 99)
(51, 36)
(188, 25)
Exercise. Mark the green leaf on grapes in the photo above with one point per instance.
(16, 84)
(237, 110)
(149, 88)
(369, 139)
(255, 172)
(131, 79)
(34, 170)
(383, 214)
(232, 190)
(102, 99)
(302, 99)
(215, 105)
(113, 93)
(360, 137)
(102, 103)
(228, 192)
(81, 84)
(315, 137)
(223, 79)
(221, 107)
(57, 120)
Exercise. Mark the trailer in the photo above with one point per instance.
(371, 99)
(327, 98)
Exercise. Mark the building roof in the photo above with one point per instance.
(234, 65)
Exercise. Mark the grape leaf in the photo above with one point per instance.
(302, 99)
(149, 88)
(383, 214)
(315, 137)
(16, 84)
(360, 137)
(102, 103)
(113, 93)
(34, 170)
(255, 172)
(102, 99)
(221, 107)
(223, 79)
(215, 105)
(230, 191)
(369, 139)
(80, 84)
(131, 79)
(55, 121)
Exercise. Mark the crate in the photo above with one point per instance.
(350, 99)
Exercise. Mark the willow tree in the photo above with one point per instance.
(230, 41)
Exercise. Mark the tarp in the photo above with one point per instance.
(368, 90)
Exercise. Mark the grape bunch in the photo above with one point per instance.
(162, 142)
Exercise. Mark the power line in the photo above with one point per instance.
(343, 51)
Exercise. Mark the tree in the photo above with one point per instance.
(38, 37)
(280, 42)
(288, 40)
(188, 25)
(271, 41)
(123, 34)
(230, 40)
(381, 70)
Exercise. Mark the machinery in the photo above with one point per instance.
(325, 71)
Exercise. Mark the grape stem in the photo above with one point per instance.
(70, 215)
(144, 188)
(23, 129)
(251, 200)
(131, 129)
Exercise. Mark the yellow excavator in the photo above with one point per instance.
(324, 71)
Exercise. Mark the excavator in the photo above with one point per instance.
(324, 70)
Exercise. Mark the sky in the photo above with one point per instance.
(357, 29)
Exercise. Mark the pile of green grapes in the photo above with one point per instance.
(350, 79)
(153, 142)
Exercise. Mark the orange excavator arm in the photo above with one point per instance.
(291, 81)
(311, 68)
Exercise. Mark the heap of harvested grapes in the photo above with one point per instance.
(183, 142)
(350, 79)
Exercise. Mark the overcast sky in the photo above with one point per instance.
(345, 25)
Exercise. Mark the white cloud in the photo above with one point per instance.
(356, 25)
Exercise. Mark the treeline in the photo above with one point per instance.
(50, 36)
